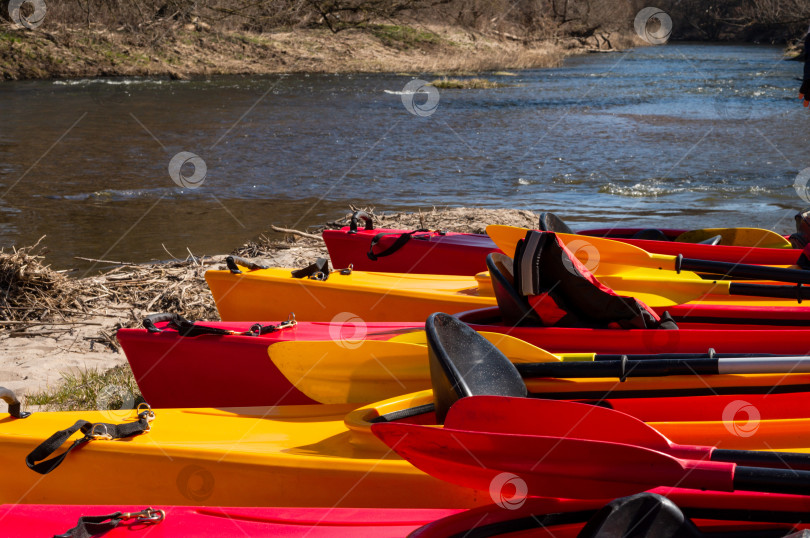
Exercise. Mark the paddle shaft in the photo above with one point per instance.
(756, 458)
(767, 290)
(674, 356)
(666, 367)
(736, 270)
(772, 480)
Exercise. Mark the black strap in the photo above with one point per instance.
(398, 244)
(14, 406)
(233, 263)
(149, 322)
(90, 430)
(257, 329)
(89, 526)
(188, 328)
(395, 246)
(360, 215)
(319, 270)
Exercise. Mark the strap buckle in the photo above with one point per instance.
(291, 322)
(145, 410)
(147, 515)
(144, 407)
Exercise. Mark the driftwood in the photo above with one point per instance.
(296, 232)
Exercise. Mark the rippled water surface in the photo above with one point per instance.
(684, 135)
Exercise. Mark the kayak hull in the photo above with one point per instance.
(303, 456)
(226, 370)
(235, 370)
(464, 254)
(284, 456)
(266, 293)
(24, 520)
(439, 253)
(372, 296)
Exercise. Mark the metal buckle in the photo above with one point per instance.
(99, 436)
(147, 515)
(291, 322)
(142, 408)
(348, 270)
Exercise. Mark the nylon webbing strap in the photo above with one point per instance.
(150, 321)
(90, 431)
(233, 263)
(318, 270)
(89, 526)
(188, 328)
(14, 405)
(185, 327)
(395, 246)
(257, 329)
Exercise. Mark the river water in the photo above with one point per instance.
(682, 135)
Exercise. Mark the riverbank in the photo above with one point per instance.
(197, 50)
(57, 337)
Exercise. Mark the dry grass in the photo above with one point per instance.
(177, 286)
(34, 294)
(31, 291)
(63, 51)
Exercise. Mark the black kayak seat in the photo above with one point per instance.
(638, 516)
(463, 363)
(714, 240)
(515, 309)
(652, 234)
(549, 222)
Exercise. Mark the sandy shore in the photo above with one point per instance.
(62, 325)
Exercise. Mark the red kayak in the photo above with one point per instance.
(403, 251)
(524, 517)
(780, 515)
(23, 520)
(449, 253)
(222, 364)
(178, 363)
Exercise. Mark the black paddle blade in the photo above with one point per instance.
(640, 516)
(652, 234)
(463, 363)
(515, 309)
(549, 222)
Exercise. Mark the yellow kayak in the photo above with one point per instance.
(296, 456)
(307, 455)
(268, 294)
